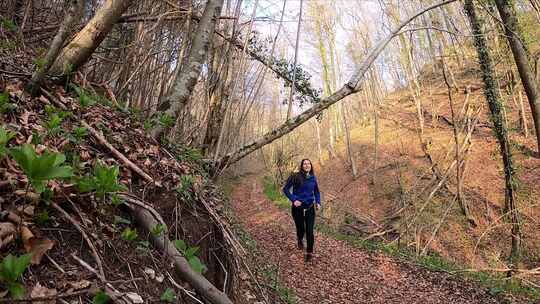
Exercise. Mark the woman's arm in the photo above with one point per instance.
(317, 194)
(287, 188)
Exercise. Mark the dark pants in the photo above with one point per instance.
(304, 220)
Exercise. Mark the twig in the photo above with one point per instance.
(109, 289)
(189, 293)
(117, 153)
(84, 235)
(55, 264)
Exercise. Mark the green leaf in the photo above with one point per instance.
(86, 184)
(16, 290)
(158, 229)
(129, 234)
(5, 137)
(168, 296)
(24, 156)
(4, 97)
(101, 298)
(40, 169)
(191, 251)
(180, 245)
(13, 267)
(197, 265)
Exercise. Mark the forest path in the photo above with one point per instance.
(339, 272)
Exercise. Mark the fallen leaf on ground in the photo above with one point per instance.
(40, 291)
(37, 246)
(7, 232)
(80, 284)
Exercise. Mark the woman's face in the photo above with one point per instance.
(306, 166)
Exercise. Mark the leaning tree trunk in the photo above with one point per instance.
(79, 50)
(495, 107)
(75, 10)
(184, 84)
(513, 34)
(352, 86)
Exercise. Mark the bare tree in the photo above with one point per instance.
(79, 50)
(495, 107)
(183, 87)
(513, 35)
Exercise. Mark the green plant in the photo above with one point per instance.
(129, 234)
(148, 124)
(5, 137)
(158, 229)
(78, 134)
(53, 124)
(116, 200)
(192, 155)
(40, 169)
(104, 181)
(85, 99)
(100, 298)
(40, 62)
(273, 193)
(8, 24)
(186, 182)
(166, 120)
(42, 217)
(5, 105)
(190, 253)
(36, 138)
(168, 296)
(11, 269)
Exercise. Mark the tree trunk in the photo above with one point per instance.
(513, 34)
(458, 155)
(348, 142)
(495, 107)
(79, 50)
(522, 117)
(175, 102)
(75, 11)
(349, 88)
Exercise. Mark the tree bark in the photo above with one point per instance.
(495, 107)
(75, 10)
(513, 35)
(349, 88)
(181, 91)
(79, 50)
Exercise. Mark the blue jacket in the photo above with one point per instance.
(307, 193)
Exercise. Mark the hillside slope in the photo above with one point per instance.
(391, 199)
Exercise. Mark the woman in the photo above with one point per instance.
(305, 197)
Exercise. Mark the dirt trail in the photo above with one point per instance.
(341, 273)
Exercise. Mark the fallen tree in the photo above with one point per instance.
(353, 86)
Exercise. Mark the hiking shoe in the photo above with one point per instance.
(309, 257)
(300, 246)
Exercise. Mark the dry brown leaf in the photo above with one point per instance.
(43, 99)
(79, 285)
(40, 292)
(24, 118)
(27, 236)
(37, 246)
(7, 232)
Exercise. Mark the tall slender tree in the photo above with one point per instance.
(513, 35)
(495, 107)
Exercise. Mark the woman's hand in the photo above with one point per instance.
(297, 203)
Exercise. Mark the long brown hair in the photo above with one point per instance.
(300, 176)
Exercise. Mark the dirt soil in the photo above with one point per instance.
(339, 272)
